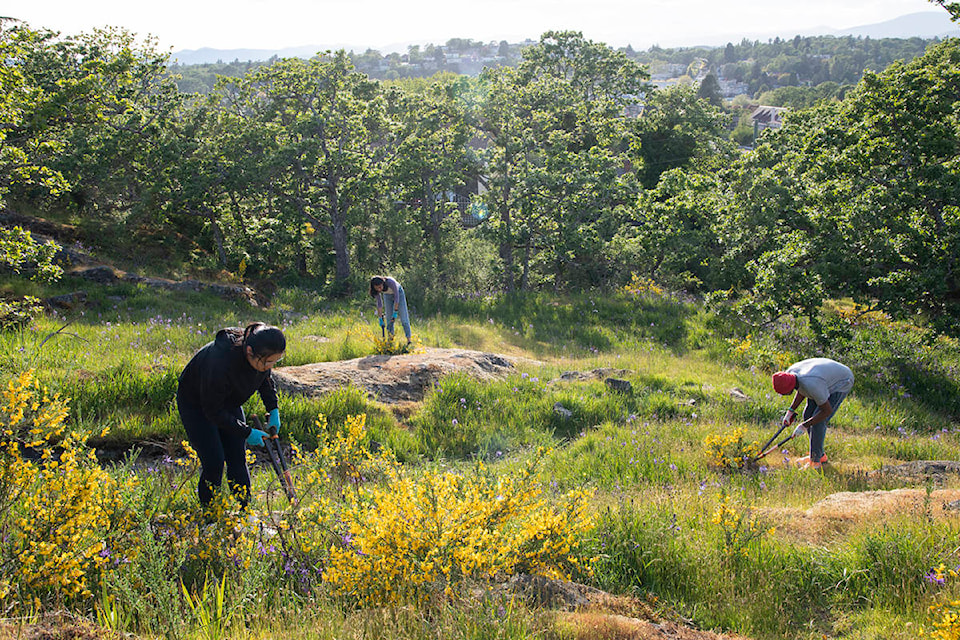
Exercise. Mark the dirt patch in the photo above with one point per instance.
(592, 625)
(873, 504)
(587, 613)
(840, 513)
(394, 379)
(936, 470)
(56, 627)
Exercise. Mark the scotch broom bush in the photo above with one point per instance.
(62, 517)
(418, 537)
(729, 451)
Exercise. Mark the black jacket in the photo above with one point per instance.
(219, 378)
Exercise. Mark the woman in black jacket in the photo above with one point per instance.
(213, 386)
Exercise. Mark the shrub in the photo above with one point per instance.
(944, 616)
(23, 255)
(17, 313)
(739, 525)
(62, 517)
(416, 538)
(729, 451)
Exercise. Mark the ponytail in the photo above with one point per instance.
(265, 340)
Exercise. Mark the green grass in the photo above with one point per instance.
(640, 453)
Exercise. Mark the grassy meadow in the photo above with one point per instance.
(641, 493)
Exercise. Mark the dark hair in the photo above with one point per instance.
(264, 339)
(376, 281)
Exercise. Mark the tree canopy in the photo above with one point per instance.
(566, 170)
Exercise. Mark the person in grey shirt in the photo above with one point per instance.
(824, 383)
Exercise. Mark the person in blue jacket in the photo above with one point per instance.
(211, 392)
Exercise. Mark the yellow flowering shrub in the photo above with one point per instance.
(386, 535)
(640, 286)
(944, 616)
(383, 343)
(223, 538)
(739, 526)
(750, 352)
(414, 537)
(29, 415)
(391, 345)
(730, 451)
(740, 348)
(62, 517)
(332, 476)
(858, 315)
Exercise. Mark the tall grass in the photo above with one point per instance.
(464, 417)
(772, 587)
(641, 453)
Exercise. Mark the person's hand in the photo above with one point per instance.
(273, 420)
(788, 418)
(394, 315)
(799, 430)
(381, 322)
(255, 439)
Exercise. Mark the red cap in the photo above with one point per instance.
(784, 383)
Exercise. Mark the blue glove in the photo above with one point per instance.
(273, 419)
(394, 315)
(381, 321)
(255, 439)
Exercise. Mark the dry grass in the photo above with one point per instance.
(56, 626)
(840, 514)
(607, 626)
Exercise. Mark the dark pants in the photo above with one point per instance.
(216, 448)
(818, 432)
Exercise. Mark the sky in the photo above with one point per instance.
(389, 25)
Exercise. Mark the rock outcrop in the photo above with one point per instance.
(393, 379)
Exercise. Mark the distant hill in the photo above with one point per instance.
(209, 56)
(926, 24)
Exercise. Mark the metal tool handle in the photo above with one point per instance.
(776, 446)
(774, 437)
(277, 459)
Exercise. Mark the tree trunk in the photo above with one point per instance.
(301, 253)
(241, 218)
(506, 237)
(434, 214)
(338, 236)
(342, 256)
(218, 238)
(525, 276)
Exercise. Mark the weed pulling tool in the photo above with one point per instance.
(776, 446)
(277, 460)
(765, 450)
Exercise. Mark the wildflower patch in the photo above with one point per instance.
(729, 451)
(61, 515)
(944, 617)
(412, 538)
